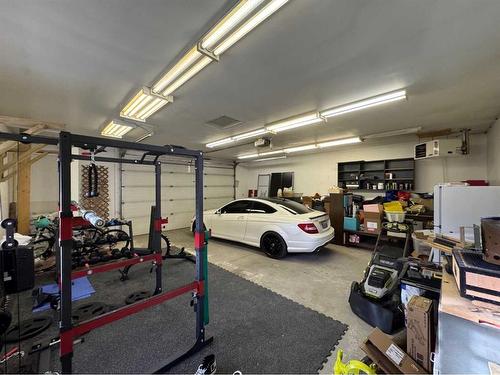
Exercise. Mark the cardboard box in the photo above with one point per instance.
(374, 208)
(419, 331)
(307, 201)
(388, 356)
(373, 221)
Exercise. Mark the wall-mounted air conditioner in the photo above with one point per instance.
(438, 148)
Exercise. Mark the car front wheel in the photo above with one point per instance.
(273, 245)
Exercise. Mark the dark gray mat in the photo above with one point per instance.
(255, 330)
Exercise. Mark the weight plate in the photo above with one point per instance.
(89, 310)
(137, 296)
(28, 328)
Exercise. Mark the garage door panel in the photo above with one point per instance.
(178, 192)
(218, 180)
(138, 179)
(138, 194)
(218, 191)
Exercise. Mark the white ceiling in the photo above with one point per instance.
(77, 62)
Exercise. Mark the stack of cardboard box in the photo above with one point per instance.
(373, 217)
(385, 352)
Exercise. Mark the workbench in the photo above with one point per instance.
(468, 333)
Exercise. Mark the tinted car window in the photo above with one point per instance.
(261, 208)
(293, 206)
(238, 207)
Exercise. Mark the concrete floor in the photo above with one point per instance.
(319, 281)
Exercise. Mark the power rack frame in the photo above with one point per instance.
(68, 331)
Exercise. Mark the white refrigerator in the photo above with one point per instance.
(463, 206)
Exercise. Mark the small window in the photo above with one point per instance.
(261, 208)
(238, 207)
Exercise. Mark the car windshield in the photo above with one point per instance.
(289, 205)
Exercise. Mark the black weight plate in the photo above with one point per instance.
(28, 328)
(137, 296)
(89, 310)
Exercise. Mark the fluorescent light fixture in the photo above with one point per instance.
(248, 156)
(336, 142)
(339, 142)
(116, 129)
(144, 104)
(190, 73)
(220, 142)
(185, 62)
(295, 122)
(250, 134)
(272, 158)
(365, 103)
(145, 136)
(393, 133)
(271, 153)
(229, 21)
(300, 148)
(249, 25)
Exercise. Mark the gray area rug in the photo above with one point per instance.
(255, 330)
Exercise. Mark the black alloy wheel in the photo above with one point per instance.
(274, 245)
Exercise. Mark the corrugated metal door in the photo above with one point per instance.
(137, 194)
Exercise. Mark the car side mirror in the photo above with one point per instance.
(218, 212)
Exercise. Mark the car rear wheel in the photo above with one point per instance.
(273, 245)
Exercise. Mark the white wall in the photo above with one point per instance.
(315, 173)
(494, 153)
(44, 185)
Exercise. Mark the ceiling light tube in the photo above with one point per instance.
(248, 156)
(229, 21)
(250, 134)
(393, 133)
(249, 25)
(271, 152)
(116, 129)
(144, 104)
(300, 148)
(295, 122)
(145, 136)
(184, 63)
(339, 142)
(196, 68)
(273, 158)
(365, 103)
(220, 142)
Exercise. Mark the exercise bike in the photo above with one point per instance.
(376, 299)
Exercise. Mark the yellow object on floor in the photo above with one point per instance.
(353, 367)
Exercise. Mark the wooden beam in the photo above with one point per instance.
(22, 157)
(24, 190)
(38, 157)
(8, 176)
(26, 123)
(9, 145)
(11, 174)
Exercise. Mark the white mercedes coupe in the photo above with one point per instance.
(278, 226)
